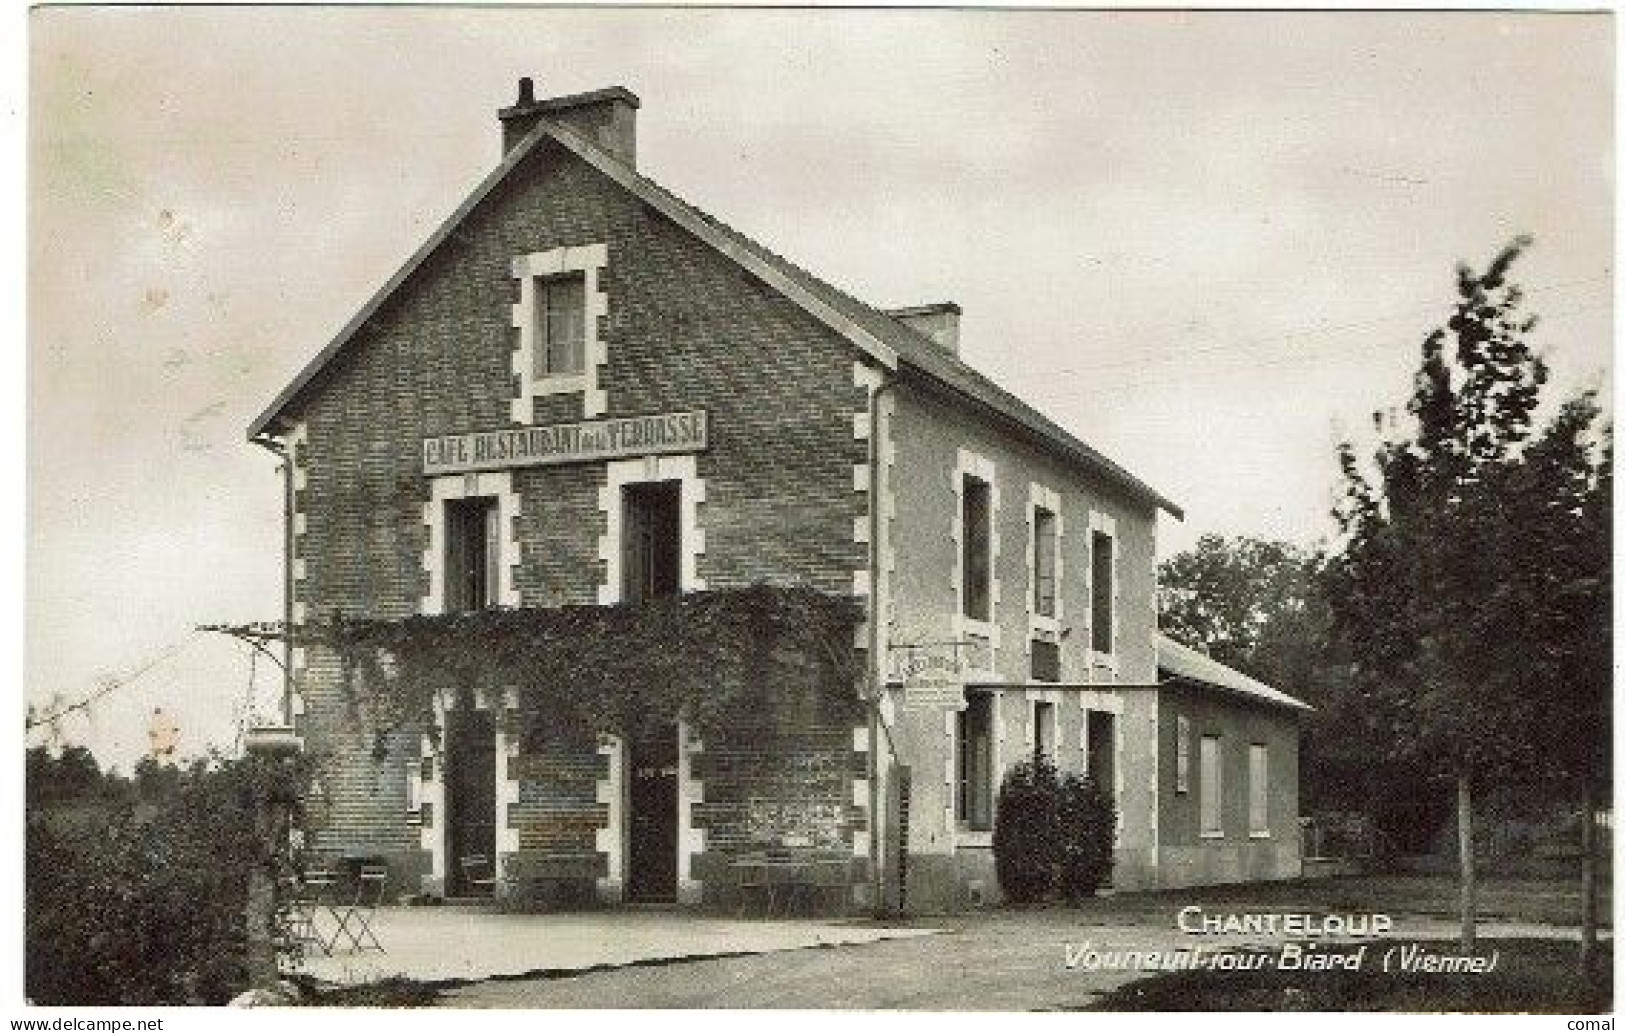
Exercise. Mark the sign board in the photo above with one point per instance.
(557, 444)
(933, 674)
(933, 695)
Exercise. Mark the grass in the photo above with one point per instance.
(1532, 976)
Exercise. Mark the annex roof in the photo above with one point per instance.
(884, 339)
(1179, 661)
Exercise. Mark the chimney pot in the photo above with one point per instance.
(527, 91)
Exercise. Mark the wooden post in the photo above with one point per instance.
(1469, 878)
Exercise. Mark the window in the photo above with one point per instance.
(978, 559)
(1258, 790)
(561, 325)
(974, 739)
(1043, 562)
(651, 564)
(1046, 660)
(1100, 741)
(472, 554)
(1212, 788)
(1101, 591)
(1044, 731)
(1182, 755)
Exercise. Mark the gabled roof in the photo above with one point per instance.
(1179, 661)
(884, 339)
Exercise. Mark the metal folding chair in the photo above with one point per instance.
(310, 893)
(355, 921)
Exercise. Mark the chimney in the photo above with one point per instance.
(607, 117)
(940, 322)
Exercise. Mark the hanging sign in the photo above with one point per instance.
(933, 675)
(617, 438)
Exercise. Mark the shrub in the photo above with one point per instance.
(1086, 830)
(1053, 834)
(1026, 849)
(142, 900)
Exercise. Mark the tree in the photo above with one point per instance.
(1461, 590)
(1234, 597)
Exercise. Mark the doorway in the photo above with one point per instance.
(652, 819)
(471, 775)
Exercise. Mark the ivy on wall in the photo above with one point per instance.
(756, 659)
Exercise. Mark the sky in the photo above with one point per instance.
(1207, 243)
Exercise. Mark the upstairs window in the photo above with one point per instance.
(977, 503)
(1043, 562)
(1102, 591)
(472, 554)
(561, 325)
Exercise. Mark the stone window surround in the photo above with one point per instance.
(588, 260)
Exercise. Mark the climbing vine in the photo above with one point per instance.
(754, 659)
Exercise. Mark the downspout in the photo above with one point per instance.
(877, 659)
(285, 465)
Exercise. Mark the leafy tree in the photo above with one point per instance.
(1462, 589)
(69, 774)
(1260, 606)
(1236, 599)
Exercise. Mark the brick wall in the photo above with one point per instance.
(781, 786)
(685, 329)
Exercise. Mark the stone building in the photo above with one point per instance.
(583, 391)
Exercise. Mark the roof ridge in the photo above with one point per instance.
(884, 339)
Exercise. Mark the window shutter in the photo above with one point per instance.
(1182, 755)
(1212, 789)
(1258, 789)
